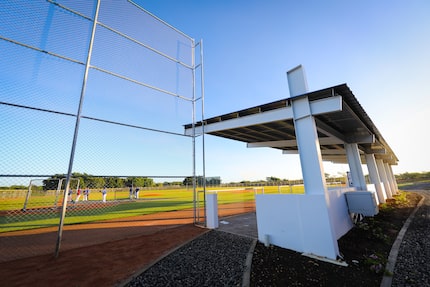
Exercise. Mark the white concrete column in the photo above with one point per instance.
(374, 177)
(396, 187)
(384, 178)
(390, 177)
(212, 210)
(319, 231)
(316, 234)
(309, 148)
(354, 161)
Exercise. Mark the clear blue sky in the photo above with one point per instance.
(381, 49)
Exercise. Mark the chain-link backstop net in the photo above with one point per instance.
(93, 98)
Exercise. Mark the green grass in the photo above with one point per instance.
(94, 212)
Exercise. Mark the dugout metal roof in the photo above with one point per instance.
(265, 126)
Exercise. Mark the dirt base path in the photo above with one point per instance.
(100, 254)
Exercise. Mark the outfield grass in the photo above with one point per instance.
(43, 212)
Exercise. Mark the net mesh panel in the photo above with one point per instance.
(137, 96)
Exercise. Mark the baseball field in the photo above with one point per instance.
(44, 207)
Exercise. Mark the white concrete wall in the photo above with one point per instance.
(340, 218)
(303, 222)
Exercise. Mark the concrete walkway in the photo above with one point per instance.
(409, 258)
(243, 224)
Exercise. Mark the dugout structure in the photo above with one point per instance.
(98, 87)
(327, 124)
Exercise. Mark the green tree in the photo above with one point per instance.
(95, 182)
(139, 181)
(144, 182)
(188, 181)
(273, 179)
(114, 182)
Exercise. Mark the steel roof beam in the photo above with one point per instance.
(245, 121)
(317, 107)
(329, 131)
(292, 143)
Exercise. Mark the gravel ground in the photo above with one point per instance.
(201, 262)
(413, 265)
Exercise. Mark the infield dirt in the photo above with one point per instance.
(117, 250)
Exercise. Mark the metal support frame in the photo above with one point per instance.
(202, 94)
(94, 23)
(27, 197)
(75, 136)
(195, 133)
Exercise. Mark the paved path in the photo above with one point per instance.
(244, 224)
(412, 265)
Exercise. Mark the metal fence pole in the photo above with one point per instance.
(24, 208)
(202, 91)
(75, 136)
(195, 195)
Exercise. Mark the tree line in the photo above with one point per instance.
(412, 176)
(86, 180)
